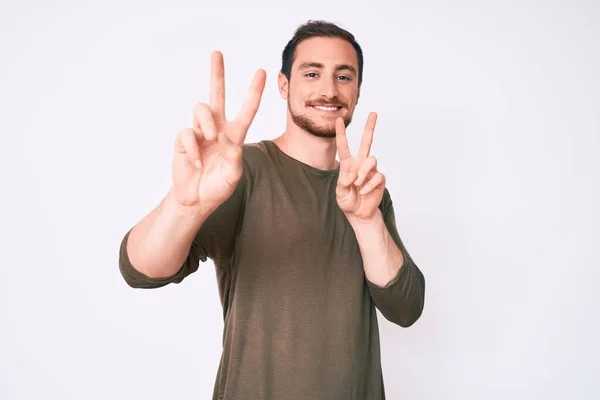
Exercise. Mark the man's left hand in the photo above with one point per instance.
(360, 185)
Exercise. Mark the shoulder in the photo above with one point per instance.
(255, 152)
(256, 157)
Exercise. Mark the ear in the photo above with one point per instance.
(283, 84)
(357, 95)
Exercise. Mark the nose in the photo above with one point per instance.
(329, 88)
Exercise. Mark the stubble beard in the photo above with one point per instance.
(305, 123)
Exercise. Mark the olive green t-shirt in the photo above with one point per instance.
(300, 319)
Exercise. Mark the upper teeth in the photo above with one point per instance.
(326, 108)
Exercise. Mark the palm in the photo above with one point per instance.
(216, 177)
(208, 159)
(360, 186)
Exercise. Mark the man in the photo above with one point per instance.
(305, 247)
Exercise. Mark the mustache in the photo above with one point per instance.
(335, 102)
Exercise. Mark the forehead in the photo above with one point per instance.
(325, 50)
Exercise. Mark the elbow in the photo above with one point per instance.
(129, 274)
(133, 277)
(408, 318)
(129, 278)
(410, 308)
(133, 284)
(138, 280)
(408, 313)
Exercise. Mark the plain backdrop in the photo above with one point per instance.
(488, 133)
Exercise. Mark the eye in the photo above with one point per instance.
(344, 78)
(311, 75)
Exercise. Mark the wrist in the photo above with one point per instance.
(373, 220)
(185, 212)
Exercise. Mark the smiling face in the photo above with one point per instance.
(323, 85)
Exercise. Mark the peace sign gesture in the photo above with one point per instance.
(360, 186)
(207, 161)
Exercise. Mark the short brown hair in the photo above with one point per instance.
(318, 29)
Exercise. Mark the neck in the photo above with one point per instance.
(318, 152)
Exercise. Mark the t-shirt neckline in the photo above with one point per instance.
(287, 157)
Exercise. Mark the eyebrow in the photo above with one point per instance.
(341, 67)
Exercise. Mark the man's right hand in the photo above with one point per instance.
(207, 161)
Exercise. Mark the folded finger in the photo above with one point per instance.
(188, 140)
(228, 149)
(346, 178)
(369, 165)
(376, 181)
(204, 121)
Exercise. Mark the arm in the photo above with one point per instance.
(381, 256)
(207, 168)
(395, 283)
(159, 244)
(169, 243)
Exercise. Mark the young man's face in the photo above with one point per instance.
(323, 85)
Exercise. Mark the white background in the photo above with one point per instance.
(488, 133)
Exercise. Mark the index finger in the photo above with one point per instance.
(367, 138)
(340, 139)
(217, 84)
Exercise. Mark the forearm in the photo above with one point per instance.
(159, 244)
(382, 259)
(396, 284)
